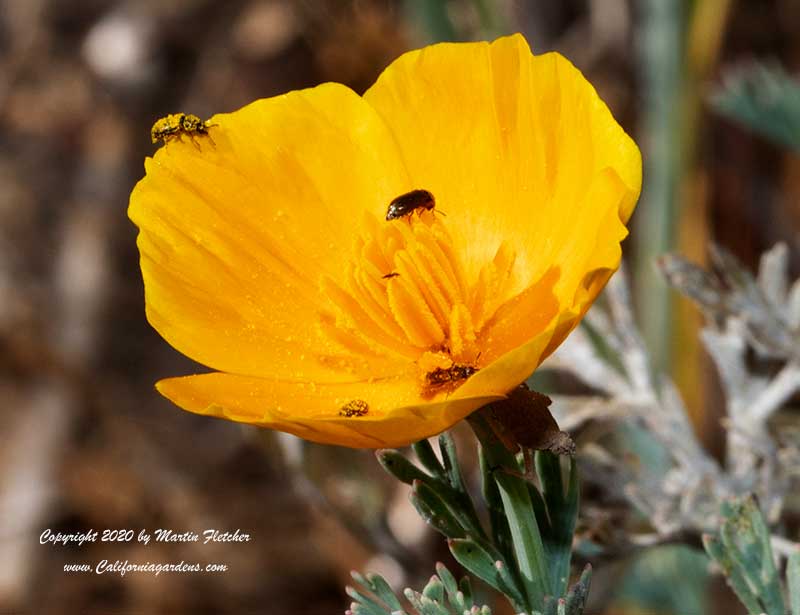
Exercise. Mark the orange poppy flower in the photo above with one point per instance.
(267, 255)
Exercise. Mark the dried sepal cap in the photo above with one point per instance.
(523, 419)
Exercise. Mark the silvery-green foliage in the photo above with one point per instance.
(747, 317)
(765, 99)
(743, 552)
(442, 595)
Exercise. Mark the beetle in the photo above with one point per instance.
(355, 407)
(406, 204)
(175, 125)
(455, 373)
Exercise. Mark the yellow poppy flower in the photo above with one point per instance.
(267, 256)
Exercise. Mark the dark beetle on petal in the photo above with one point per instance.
(410, 202)
(454, 373)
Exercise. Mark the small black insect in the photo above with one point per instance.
(408, 203)
(393, 274)
(454, 373)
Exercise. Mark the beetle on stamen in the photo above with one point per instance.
(406, 204)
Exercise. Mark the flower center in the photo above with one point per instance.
(406, 294)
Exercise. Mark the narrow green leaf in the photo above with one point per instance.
(448, 580)
(493, 572)
(415, 598)
(562, 512)
(465, 588)
(447, 445)
(548, 469)
(425, 605)
(793, 581)
(530, 555)
(459, 506)
(367, 603)
(434, 511)
(456, 494)
(434, 590)
(398, 466)
(459, 602)
(360, 579)
(501, 534)
(540, 509)
(427, 457)
(733, 574)
(382, 590)
(488, 487)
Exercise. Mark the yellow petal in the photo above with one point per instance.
(398, 414)
(599, 260)
(238, 227)
(512, 145)
(522, 318)
(395, 416)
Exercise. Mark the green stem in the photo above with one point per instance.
(661, 55)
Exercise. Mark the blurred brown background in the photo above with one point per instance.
(87, 442)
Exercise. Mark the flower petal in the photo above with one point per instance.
(398, 413)
(600, 260)
(512, 145)
(522, 318)
(238, 226)
(395, 416)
